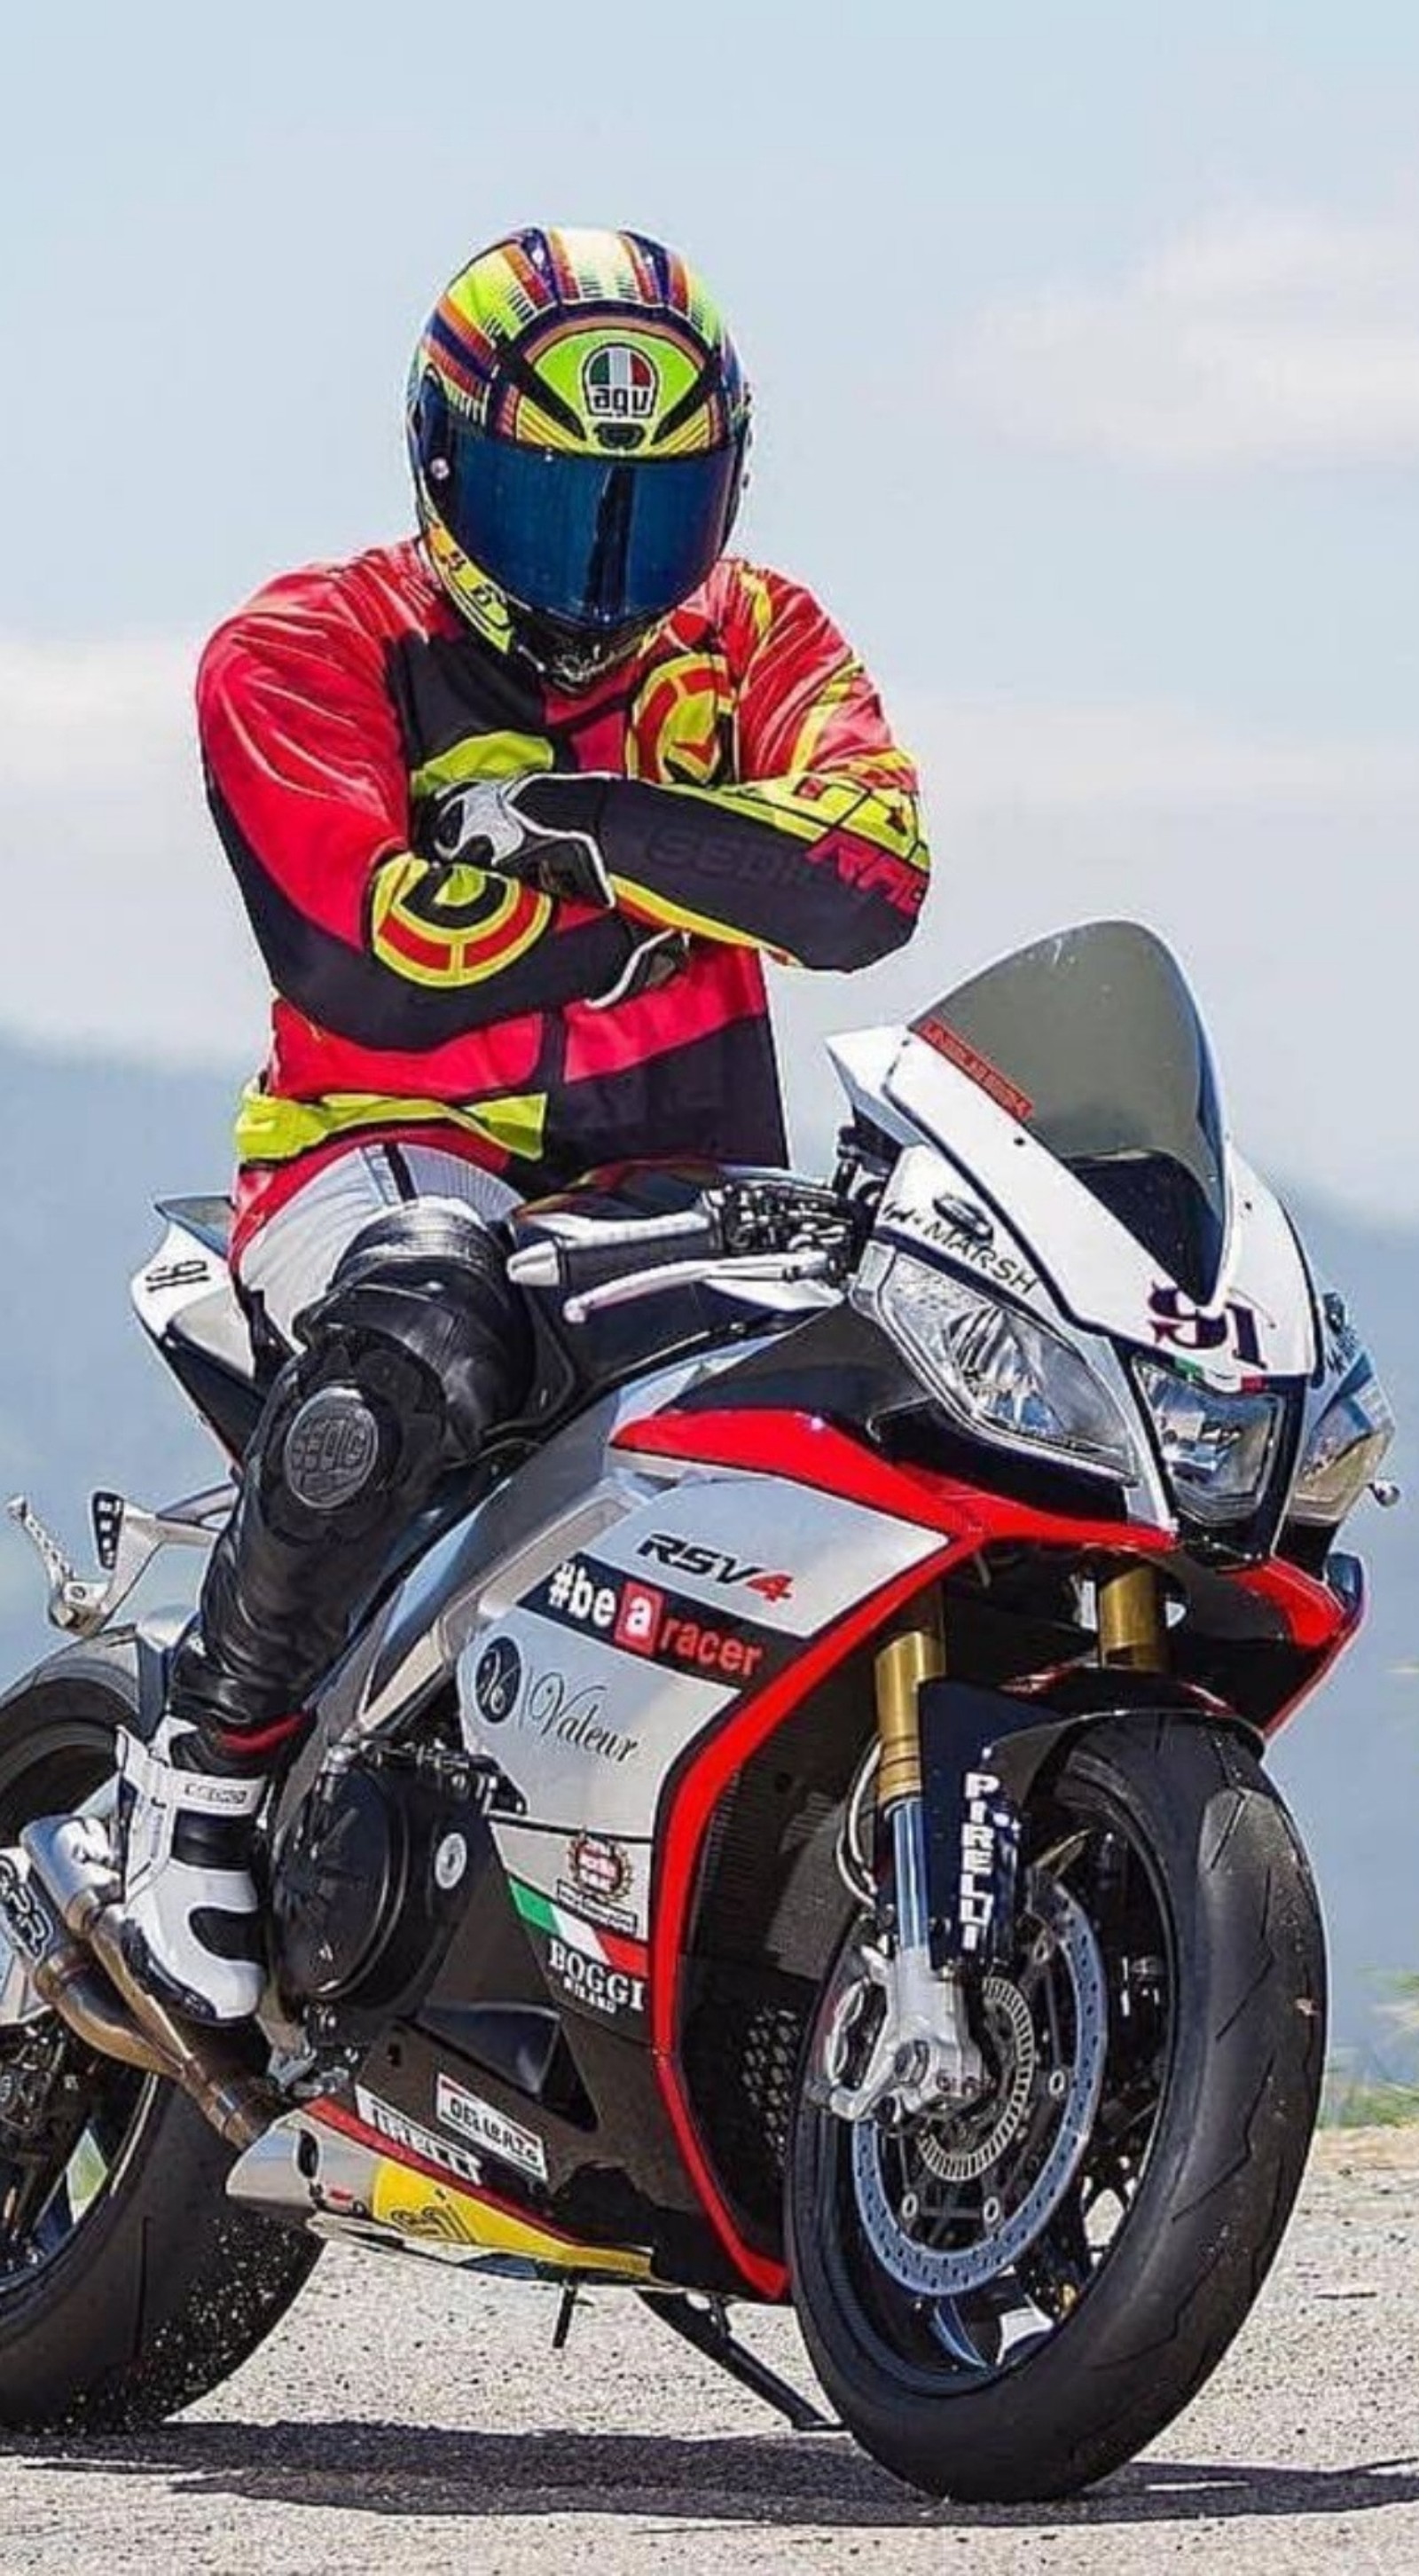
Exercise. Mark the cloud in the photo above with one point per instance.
(122, 928)
(996, 754)
(1254, 339)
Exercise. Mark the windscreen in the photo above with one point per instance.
(1092, 1040)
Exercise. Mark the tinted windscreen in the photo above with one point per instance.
(1093, 1041)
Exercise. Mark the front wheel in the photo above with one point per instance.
(1007, 2300)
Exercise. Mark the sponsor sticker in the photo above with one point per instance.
(482, 2126)
(503, 1689)
(401, 2131)
(662, 1627)
(967, 1059)
(619, 383)
(497, 1679)
(960, 1238)
(594, 1966)
(593, 1981)
(715, 1565)
(598, 1880)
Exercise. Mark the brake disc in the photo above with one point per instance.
(935, 2272)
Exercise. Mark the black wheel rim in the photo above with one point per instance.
(69, 2118)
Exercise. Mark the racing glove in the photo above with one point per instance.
(485, 825)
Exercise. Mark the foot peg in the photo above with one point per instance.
(126, 1539)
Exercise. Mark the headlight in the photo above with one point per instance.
(1217, 1450)
(1003, 1376)
(1345, 1450)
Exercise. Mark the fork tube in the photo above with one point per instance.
(1132, 1627)
(915, 1654)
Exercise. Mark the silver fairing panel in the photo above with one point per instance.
(601, 1613)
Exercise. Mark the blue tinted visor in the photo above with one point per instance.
(600, 542)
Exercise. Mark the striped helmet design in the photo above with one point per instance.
(578, 421)
(527, 339)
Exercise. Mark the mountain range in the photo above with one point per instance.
(87, 1144)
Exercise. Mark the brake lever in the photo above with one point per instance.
(785, 1267)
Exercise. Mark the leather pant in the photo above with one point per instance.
(416, 1351)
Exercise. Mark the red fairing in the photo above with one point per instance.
(692, 1803)
(1316, 1622)
(808, 1451)
(804, 1449)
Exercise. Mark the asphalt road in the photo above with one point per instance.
(404, 2419)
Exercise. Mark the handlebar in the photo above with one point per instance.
(574, 1265)
(757, 1225)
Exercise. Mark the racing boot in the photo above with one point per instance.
(184, 1846)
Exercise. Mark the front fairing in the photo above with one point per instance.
(1259, 1321)
(1017, 1172)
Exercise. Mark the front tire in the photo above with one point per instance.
(1203, 2124)
(129, 2285)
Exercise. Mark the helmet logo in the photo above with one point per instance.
(619, 383)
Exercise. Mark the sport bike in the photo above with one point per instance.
(790, 1824)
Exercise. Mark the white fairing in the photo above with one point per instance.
(1083, 1263)
(587, 1692)
(179, 1274)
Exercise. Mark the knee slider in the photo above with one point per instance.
(333, 1447)
(354, 1432)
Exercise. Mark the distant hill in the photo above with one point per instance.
(85, 1147)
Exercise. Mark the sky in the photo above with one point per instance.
(1086, 351)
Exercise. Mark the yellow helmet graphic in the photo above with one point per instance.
(578, 422)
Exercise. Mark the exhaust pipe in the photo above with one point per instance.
(69, 1856)
(66, 1980)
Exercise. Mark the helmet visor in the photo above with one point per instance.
(600, 542)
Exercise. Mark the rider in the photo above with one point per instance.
(517, 808)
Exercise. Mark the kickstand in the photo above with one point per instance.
(708, 2329)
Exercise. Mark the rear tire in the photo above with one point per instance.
(161, 2288)
(1229, 2137)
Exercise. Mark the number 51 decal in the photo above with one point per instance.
(1181, 1326)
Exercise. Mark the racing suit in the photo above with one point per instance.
(449, 1038)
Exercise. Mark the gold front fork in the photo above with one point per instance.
(913, 1654)
(1133, 1629)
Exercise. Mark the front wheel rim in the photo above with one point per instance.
(936, 2179)
(932, 2339)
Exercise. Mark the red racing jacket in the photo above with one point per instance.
(741, 783)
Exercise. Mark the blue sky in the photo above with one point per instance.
(1087, 353)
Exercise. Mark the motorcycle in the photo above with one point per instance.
(791, 1823)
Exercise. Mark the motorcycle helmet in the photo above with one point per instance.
(578, 422)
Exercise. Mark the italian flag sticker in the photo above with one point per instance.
(611, 1948)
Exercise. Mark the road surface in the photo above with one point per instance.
(404, 2419)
